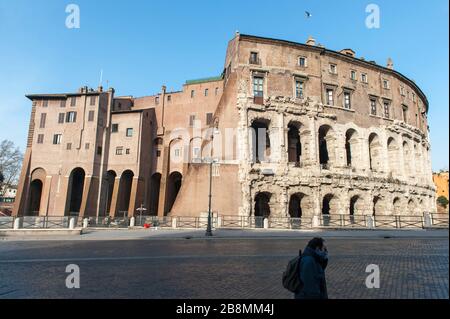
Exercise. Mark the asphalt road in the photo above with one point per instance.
(219, 268)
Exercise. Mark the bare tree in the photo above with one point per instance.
(10, 164)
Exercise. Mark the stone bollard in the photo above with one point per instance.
(174, 222)
(370, 222)
(315, 221)
(219, 221)
(132, 221)
(72, 223)
(428, 222)
(266, 223)
(85, 223)
(18, 223)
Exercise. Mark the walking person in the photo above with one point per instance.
(311, 270)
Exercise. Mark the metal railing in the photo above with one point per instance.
(439, 220)
(290, 222)
(153, 221)
(29, 222)
(398, 221)
(6, 222)
(195, 222)
(234, 221)
(108, 222)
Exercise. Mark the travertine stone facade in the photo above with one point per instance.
(297, 130)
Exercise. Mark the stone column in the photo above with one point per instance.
(114, 197)
(134, 196)
(313, 145)
(365, 153)
(45, 196)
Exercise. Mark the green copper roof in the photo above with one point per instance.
(210, 79)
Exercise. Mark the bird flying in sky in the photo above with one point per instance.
(308, 14)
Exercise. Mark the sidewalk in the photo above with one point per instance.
(183, 234)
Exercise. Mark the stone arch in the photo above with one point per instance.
(375, 152)
(407, 159)
(356, 206)
(330, 204)
(37, 183)
(412, 207)
(124, 194)
(155, 185)
(294, 142)
(176, 154)
(326, 146)
(110, 181)
(379, 208)
(299, 205)
(393, 156)
(75, 192)
(262, 204)
(352, 150)
(174, 182)
(260, 140)
(397, 206)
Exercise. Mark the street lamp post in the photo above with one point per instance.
(209, 227)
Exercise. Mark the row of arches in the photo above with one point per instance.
(298, 139)
(300, 204)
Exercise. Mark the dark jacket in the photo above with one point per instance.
(312, 275)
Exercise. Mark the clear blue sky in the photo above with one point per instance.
(141, 45)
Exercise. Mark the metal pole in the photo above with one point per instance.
(208, 228)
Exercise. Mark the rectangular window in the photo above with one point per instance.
(62, 103)
(86, 146)
(93, 99)
(73, 101)
(206, 92)
(169, 98)
(299, 87)
(414, 97)
(333, 68)
(57, 139)
(91, 115)
(209, 117)
(386, 84)
(405, 113)
(330, 97)
(115, 128)
(119, 150)
(196, 153)
(347, 100)
(258, 86)
(254, 58)
(40, 138)
(302, 61)
(158, 153)
(386, 109)
(177, 152)
(157, 100)
(129, 132)
(373, 106)
(192, 94)
(42, 122)
(402, 91)
(127, 151)
(71, 117)
(364, 78)
(191, 120)
(353, 75)
(99, 150)
(44, 103)
(61, 117)
(69, 146)
(216, 91)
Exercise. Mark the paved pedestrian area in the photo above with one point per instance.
(220, 268)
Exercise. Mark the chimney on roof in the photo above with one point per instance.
(311, 41)
(390, 64)
(348, 52)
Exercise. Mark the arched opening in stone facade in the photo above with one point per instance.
(294, 144)
(397, 206)
(123, 197)
(393, 156)
(173, 187)
(356, 206)
(326, 146)
(297, 205)
(330, 204)
(407, 159)
(35, 197)
(262, 207)
(412, 208)
(374, 152)
(75, 192)
(351, 147)
(155, 184)
(110, 181)
(260, 140)
(378, 207)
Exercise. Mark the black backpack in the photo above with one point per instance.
(291, 277)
